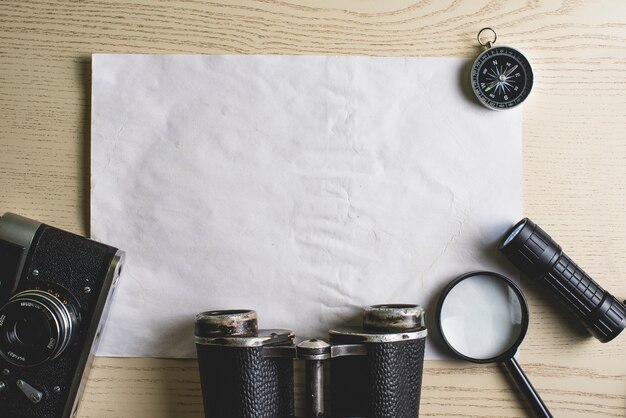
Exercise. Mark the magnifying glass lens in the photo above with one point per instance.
(481, 317)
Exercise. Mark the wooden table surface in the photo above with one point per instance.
(574, 157)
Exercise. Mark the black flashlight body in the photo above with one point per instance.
(539, 257)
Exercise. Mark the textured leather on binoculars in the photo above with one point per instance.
(385, 383)
(241, 382)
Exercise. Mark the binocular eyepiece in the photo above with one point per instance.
(375, 369)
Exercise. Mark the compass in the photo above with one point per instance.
(501, 77)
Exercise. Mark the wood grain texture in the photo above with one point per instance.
(574, 157)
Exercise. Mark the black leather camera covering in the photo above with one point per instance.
(10, 257)
(73, 262)
(385, 383)
(238, 382)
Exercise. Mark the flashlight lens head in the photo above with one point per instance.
(530, 248)
(514, 232)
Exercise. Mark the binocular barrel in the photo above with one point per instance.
(387, 381)
(238, 380)
(376, 369)
(538, 256)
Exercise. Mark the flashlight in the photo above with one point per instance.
(539, 257)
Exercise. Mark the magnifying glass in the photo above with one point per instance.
(483, 318)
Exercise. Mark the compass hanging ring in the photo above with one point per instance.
(488, 44)
(501, 77)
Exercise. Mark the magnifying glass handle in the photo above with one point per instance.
(527, 389)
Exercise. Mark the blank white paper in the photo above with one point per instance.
(302, 187)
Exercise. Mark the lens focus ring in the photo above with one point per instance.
(36, 326)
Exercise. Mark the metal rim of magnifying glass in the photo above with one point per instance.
(508, 353)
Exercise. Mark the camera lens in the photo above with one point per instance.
(32, 330)
(37, 325)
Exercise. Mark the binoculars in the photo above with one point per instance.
(375, 369)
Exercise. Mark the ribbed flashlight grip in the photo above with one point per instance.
(537, 255)
(598, 310)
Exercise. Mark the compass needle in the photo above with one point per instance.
(510, 71)
(491, 85)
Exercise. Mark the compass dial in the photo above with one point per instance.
(501, 77)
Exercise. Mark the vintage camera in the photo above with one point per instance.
(375, 369)
(55, 289)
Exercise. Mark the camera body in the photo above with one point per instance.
(375, 369)
(55, 293)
